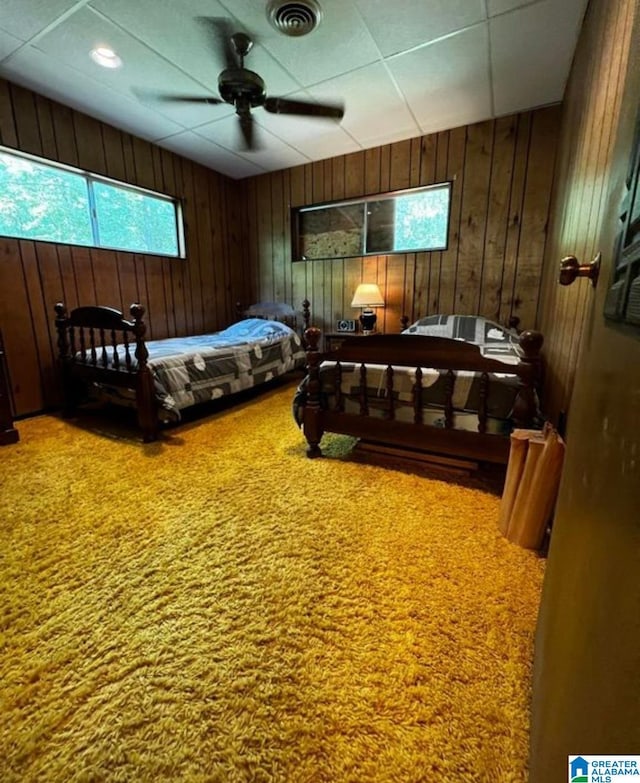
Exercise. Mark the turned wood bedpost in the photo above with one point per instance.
(312, 422)
(525, 406)
(306, 314)
(145, 396)
(64, 359)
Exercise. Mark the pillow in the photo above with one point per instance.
(471, 328)
(274, 310)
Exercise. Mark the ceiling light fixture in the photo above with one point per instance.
(105, 57)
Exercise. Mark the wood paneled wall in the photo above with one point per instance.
(181, 295)
(590, 117)
(502, 173)
(239, 237)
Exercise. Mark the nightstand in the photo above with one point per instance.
(333, 340)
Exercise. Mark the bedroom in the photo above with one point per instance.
(238, 221)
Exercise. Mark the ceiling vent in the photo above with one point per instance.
(294, 17)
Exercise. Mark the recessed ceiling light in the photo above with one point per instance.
(105, 57)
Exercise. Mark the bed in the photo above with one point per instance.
(102, 352)
(450, 385)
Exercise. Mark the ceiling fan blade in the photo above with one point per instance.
(246, 127)
(190, 99)
(220, 32)
(305, 108)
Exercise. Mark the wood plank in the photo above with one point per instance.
(393, 292)
(105, 275)
(415, 162)
(352, 278)
(278, 237)
(128, 281)
(65, 135)
(498, 217)
(477, 174)
(515, 215)
(371, 172)
(83, 272)
(114, 156)
(26, 120)
(354, 174)
(41, 320)
(400, 165)
(18, 332)
(455, 144)
(337, 177)
(285, 239)
(265, 245)
(8, 133)
(192, 267)
(88, 133)
(385, 168)
(143, 161)
(211, 296)
(68, 276)
(533, 230)
(428, 159)
(297, 186)
(317, 192)
(45, 124)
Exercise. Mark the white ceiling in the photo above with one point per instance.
(402, 68)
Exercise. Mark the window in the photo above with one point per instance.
(401, 222)
(55, 203)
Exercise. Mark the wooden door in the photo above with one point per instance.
(586, 690)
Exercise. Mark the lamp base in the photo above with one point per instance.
(368, 320)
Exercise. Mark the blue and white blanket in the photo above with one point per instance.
(190, 370)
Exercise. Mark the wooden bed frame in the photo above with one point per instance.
(85, 334)
(418, 351)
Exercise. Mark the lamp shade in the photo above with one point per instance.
(367, 295)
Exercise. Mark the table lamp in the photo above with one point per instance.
(367, 295)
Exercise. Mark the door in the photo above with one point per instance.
(586, 689)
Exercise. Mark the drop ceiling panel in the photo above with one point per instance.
(314, 138)
(496, 7)
(31, 69)
(402, 68)
(374, 108)
(399, 26)
(8, 44)
(526, 74)
(339, 44)
(446, 83)
(196, 51)
(25, 18)
(211, 155)
(272, 152)
(72, 41)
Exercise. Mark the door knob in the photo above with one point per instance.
(570, 268)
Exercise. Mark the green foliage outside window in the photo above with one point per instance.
(421, 220)
(42, 202)
(55, 204)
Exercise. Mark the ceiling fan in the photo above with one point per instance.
(246, 90)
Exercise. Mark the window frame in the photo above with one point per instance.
(296, 213)
(89, 178)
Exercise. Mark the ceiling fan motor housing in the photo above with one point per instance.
(294, 17)
(240, 84)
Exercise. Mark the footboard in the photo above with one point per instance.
(449, 358)
(97, 344)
